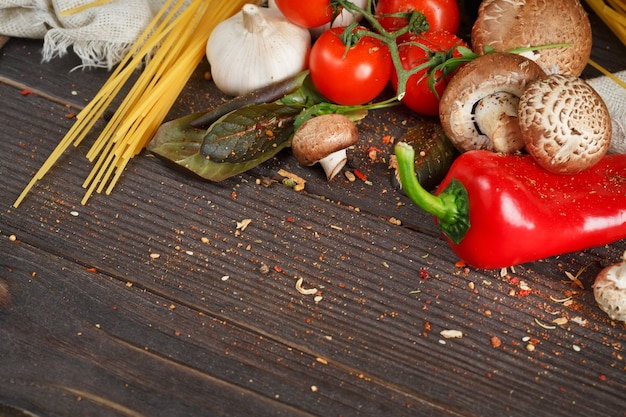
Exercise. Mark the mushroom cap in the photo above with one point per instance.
(321, 136)
(565, 123)
(505, 25)
(609, 290)
(485, 75)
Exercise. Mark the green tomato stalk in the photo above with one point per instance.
(440, 64)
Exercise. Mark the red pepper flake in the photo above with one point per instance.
(602, 378)
(269, 133)
(360, 175)
(92, 270)
(514, 280)
(372, 153)
(278, 268)
(460, 264)
(423, 273)
(290, 219)
(495, 342)
(524, 293)
(25, 92)
(387, 139)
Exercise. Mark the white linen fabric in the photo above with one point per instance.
(100, 35)
(614, 96)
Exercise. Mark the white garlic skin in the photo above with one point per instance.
(254, 48)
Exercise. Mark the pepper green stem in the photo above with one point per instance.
(450, 207)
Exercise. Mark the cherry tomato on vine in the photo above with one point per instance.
(419, 96)
(440, 14)
(356, 78)
(306, 13)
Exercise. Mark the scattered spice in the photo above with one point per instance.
(576, 278)
(460, 264)
(560, 300)
(545, 326)
(241, 226)
(298, 181)
(495, 342)
(451, 334)
(302, 290)
(360, 175)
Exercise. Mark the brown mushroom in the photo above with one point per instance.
(609, 290)
(504, 25)
(565, 123)
(478, 108)
(324, 139)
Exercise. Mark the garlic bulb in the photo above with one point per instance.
(255, 48)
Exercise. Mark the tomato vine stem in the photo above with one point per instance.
(439, 63)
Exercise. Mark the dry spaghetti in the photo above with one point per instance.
(175, 43)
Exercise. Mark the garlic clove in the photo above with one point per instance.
(254, 48)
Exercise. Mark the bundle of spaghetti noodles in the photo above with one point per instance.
(613, 14)
(175, 43)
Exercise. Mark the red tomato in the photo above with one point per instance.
(356, 78)
(419, 97)
(306, 13)
(440, 14)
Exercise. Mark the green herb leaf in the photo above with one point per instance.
(249, 132)
(181, 145)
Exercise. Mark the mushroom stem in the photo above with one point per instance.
(333, 163)
(496, 117)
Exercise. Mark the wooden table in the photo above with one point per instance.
(154, 301)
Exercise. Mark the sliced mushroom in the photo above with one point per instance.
(505, 24)
(609, 290)
(478, 108)
(565, 123)
(324, 139)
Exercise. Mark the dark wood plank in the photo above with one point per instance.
(378, 321)
(163, 244)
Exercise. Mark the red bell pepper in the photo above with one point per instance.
(503, 210)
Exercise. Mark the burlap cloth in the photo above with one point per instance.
(101, 35)
(614, 96)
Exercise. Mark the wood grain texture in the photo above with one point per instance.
(150, 301)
